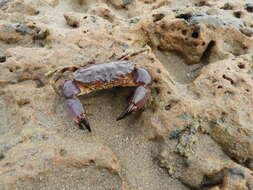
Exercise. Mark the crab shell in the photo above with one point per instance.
(98, 76)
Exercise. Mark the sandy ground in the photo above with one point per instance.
(194, 133)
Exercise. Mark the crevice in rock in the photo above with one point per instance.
(186, 16)
(2, 59)
(249, 164)
(228, 78)
(206, 54)
(212, 181)
(39, 83)
(223, 176)
(158, 17)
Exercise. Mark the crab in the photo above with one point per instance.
(73, 81)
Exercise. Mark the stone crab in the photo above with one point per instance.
(73, 81)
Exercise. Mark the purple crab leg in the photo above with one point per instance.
(75, 107)
(141, 93)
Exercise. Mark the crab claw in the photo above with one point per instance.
(84, 123)
(76, 109)
(127, 112)
(137, 101)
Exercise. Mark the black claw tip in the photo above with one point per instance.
(120, 117)
(126, 112)
(85, 124)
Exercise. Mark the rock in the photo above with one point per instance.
(72, 20)
(51, 165)
(242, 150)
(23, 29)
(120, 3)
(52, 3)
(87, 22)
(23, 6)
(3, 3)
(23, 34)
(235, 179)
(198, 34)
(249, 7)
(195, 132)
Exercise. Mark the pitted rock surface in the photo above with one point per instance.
(196, 132)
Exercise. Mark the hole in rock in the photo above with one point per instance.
(184, 32)
(241, 66)
(238, 14)
(2, 59)
(249, 7)
(195, 34)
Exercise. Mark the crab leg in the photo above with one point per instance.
(141, 93)
(75, 107)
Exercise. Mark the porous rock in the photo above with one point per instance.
(194, 133)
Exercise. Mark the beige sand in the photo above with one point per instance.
(195, 133)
